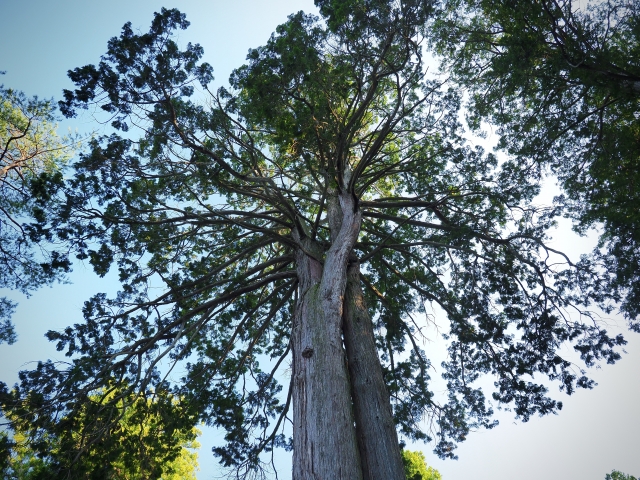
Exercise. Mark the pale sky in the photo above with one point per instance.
(596, 432)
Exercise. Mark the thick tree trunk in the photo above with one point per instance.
(325, 445)
(376, 432)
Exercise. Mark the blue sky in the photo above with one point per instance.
(597, 430)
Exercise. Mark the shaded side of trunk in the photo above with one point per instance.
(324, 438)
(376, 431)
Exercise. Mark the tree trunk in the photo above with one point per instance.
(376, 431)
(325, 445)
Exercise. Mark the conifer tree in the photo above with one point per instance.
(301, 227)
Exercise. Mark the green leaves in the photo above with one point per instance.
(31, 157)
(561, 83)
(147, 70)
(415, 467)
(114, 434)
(616, 475)
(207, 208)
(7, 332)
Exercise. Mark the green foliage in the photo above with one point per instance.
(415, 467)
(31, 156)
(616, 475)
(207, 208)
(561, 82)
(115, 435)
(30, 144)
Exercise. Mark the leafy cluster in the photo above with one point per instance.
(115, 435)
(616, 475)
(561, 81)
(31, 156)
(415, 467)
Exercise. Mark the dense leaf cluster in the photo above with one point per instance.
(617, 475)
(415, 467)
(561, 81)
(115, 435)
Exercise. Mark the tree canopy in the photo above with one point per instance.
(117, 435)
(304, 225)
(31, 156)
(415, 467)
(617, 475)
(561, 81)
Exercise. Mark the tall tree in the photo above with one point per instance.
(31, 155)
(311, 217)
(561, 81)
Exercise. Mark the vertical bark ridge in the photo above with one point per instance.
(325, 444)
(375, 429)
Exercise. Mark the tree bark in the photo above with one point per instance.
(325, 445)
(375, 429)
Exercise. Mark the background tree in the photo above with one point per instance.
(31, 156)
(560, 80)
(116, 435)
(314, 215)
(616, 475)
(415, 467)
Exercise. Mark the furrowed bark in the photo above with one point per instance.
(325, 445)
(375, 429)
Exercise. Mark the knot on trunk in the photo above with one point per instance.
(307, 352)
